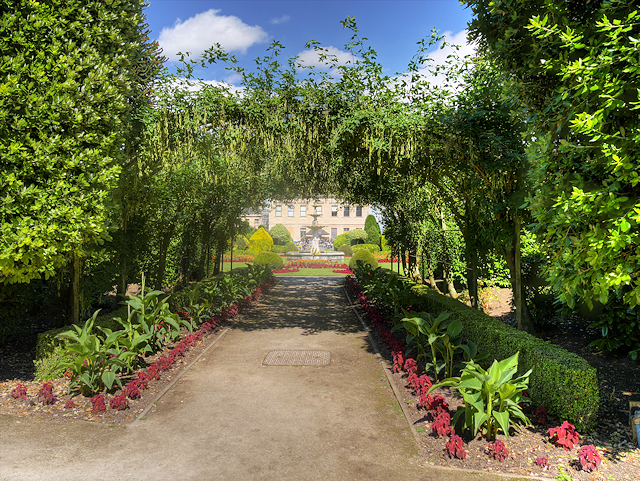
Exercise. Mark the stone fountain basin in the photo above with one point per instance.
(333, 256)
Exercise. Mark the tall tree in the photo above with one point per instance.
(577, 68)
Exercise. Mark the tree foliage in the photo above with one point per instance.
(577, 68)
(67, 71)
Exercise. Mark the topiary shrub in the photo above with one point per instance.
(358, 236)
(261, 241)
(374, 249)
(342, 239)
(364, 256)
(280, 235)
(291, 247)
(372, 228)
(384, 247)
(240, 243)
(271, 259)
(348, 251)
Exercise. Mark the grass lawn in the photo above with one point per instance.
(226, 266)
(312, 272)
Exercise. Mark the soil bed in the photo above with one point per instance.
(611, 436)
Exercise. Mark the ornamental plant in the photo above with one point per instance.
(437, 334)
(441, 425)
(454, 447)
(97, 359)
(19, 392)
(498, 450)
(70, 404)
(119, 402)
(589, 457)
(564, 436)
(98, 404)
(491, 398)
(46, 394)
(542, 462)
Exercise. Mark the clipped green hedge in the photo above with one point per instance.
(374, 249)
(561, 381)
(269, 258)
(348, 251)
(364, 256)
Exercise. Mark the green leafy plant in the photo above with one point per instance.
(491, 398)
(440, 334)
(96, 360)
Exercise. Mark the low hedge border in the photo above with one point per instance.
(561, 381)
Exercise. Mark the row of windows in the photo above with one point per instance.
(303, 211)
(334, 232)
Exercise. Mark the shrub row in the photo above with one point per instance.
(562, 381)
(50, 349)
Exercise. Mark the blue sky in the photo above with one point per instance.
(246, 28)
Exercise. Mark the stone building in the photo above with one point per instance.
(334, 216)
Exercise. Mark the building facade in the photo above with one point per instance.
(335, 217)
(256, 218)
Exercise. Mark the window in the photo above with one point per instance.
(292, 208)
(346, 229)
(303, 233)
(334, 232)
(256, 223)
(319, 210)
(358, 211)
(303, 211)
(346, 211)
(278, 211)
(334, 211)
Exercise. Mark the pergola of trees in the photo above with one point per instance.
(539, 129)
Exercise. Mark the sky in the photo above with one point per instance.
(245, 28)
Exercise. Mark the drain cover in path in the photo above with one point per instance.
(297, 358)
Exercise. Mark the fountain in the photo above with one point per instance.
(315, 252)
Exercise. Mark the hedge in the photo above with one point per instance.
(364, 256)
(374, 249)
(348, 251)
(561, 381)
(269, 258)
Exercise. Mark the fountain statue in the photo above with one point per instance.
(315, 251)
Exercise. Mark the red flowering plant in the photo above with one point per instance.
(19, 392)
(98, 404)
(441, 425)
(542, 462)
(498, 450)
(589, 457)
(564, 436)
(454, 447)
(46, 394)
(119, 402)
(410, 365)
(70, 404)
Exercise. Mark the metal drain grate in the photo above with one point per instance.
(297, 358)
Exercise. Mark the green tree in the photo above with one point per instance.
(280, 235)
(372, 229)
(577, 68)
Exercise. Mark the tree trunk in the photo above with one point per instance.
(432, 277)
(471, 255)
(122, 288)
(162, 260)
(446, 265)
(75, 290)
(523, 317)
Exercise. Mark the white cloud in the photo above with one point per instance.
(440, 56)
(205, 29)
(279, 20)
(311, 58)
